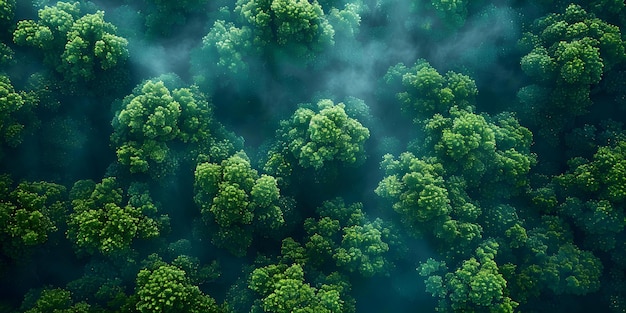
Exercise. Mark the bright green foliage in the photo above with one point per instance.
(168, 288)
(282, 289)
(466, 142)
(15, 113)
(293, 252)
(420, 195)
(105, 220)
(475, 286)
(91, 46)
(417, 189)
(363, 249)
(153, 118)
(299, 27)
(579, 61)
(57, 301)
(346, 22)
(29, 213)
(233, 196)
(474, 146)
(229, 45)
(425, 92)
(317, 136)
(78, 47)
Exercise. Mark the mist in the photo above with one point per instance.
(242, 144)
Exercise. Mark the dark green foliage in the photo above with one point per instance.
(16, 114)
(7, 11)
(58, 301)
(345, 236)
(29, 214)
(567, 54)
(162, 17)
(499, 126)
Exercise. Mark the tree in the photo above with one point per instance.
(234, 198)
(476, 285)
(344, 235)
(77, 46)
(155, 117)
(29, 214)
(316, 136)
(423, 92)
(297, 27)
(167, 288)
(482, 149)
(566, 55)
(56, 300)
(282, 288)
(16, 113)
(107, 220)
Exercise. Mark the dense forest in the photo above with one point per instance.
(312, 156)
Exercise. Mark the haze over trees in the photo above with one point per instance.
(312, 156)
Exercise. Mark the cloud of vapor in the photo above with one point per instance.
(479, 43)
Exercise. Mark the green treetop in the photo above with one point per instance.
(428, 203)
(232, 196)
(315, 136)
(344, 235)
(231, 46)
(423, 92)
(282, 289)
(298, 27)
(592, 194)
(168, 288)
(566, 55)
(107, 220)
(153, 118)
(474, 146)
(604, 176)
(475, 286)
(78, 46)
(29, 213)
(417, 189)
(55, 300)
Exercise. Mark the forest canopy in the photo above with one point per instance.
(335, 156)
